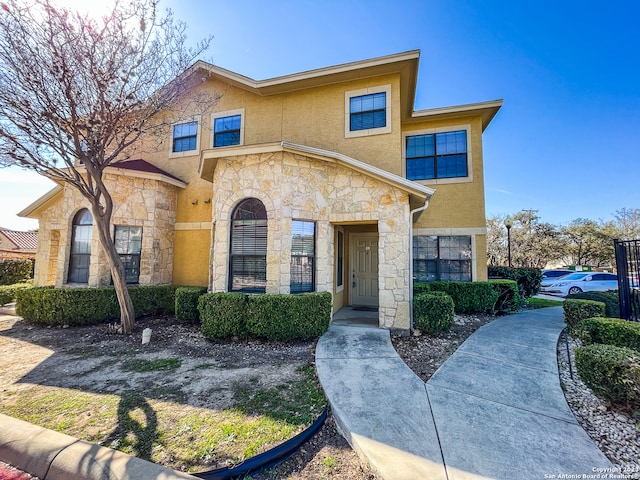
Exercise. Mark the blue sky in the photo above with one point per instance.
(567, 140)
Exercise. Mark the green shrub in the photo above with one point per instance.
(80, 306)
(469, 297)
(508, 295)
(8, 292)
(152, 299)
(609, 298)
(433, 312)
(611, 372)
(289, 317)
(223, 315)
(187, 303)
(15, 271)
(576, 310)
(528, 279)
(421, 287)
(611, 331)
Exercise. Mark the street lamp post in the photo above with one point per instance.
(508, 223)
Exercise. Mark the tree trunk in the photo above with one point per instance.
(127, 314)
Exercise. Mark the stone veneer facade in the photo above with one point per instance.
(144, 202)
(297, 187)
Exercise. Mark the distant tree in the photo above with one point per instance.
(496, 241)
(627, 223)
(533, 243)
(76, 93)
(589, 242)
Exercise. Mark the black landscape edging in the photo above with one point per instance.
(267, 459)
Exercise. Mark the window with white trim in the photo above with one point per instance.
(185, 136)
(227, 128)
(368, 111)
(437, 155)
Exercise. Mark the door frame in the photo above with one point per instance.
(352, 260)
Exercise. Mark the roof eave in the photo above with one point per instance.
(31, 208)
(323, 76)
(486, 110)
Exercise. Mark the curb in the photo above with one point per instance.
(51, 455)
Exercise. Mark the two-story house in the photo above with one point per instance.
(325, 180)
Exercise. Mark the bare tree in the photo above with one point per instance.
(627, 223)
(496, 241)
(77, 93)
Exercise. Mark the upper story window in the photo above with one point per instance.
(437, 155)
(228, 128)
(185, 136)
(368, 111)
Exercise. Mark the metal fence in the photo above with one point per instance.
(628, 266)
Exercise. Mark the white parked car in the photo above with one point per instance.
(552, 276)
(582, 282)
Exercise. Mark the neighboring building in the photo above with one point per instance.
(17, 245)
(324, 180)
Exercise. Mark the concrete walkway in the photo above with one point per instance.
(494, 409)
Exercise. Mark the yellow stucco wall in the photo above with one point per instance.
(191, 257)
(460, 203)
(313, 117)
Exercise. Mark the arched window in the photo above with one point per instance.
(248, 254)
(80, 257)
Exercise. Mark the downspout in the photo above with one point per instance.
(411, 214)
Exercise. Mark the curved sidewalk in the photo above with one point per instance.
(494, 409)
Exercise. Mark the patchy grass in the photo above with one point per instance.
(295, 402)
(141, 366)
(533, 302)
(157, 425)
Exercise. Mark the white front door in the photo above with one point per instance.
(364, 269)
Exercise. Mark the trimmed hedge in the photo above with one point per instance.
(528, 279)
(610, 299)
(508, 295)
(611, 372)
(577, 310)
(288, 317)
(274, 317)
(8, 292)
(433, 312)
(610, 331)
(187, 303)
(468, 297)
(14, 271)
(223, 315)
(82, 306)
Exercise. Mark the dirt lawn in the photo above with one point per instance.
(55, 368)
